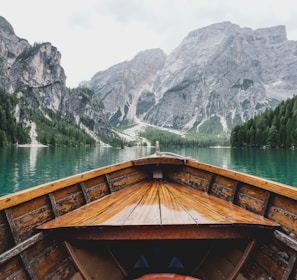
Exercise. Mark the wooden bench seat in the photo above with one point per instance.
(156, 209)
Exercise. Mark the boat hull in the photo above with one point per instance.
(31, 250)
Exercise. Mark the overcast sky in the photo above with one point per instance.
(93, 35)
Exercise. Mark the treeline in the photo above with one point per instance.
(55, 131)
(11, 132)
(273, 128)
(169, 139)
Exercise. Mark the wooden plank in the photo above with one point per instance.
(159, 160)
(5, 234)
(21, 247)
(292, 243)
(80, 268)
(48, 261)
(287, 204)
(13, 269)
(290, 269)
(159, 232)
(248, 250)
(17, 239)
(265, 259)
(147, 211)
(110, 186)
(96, 188)
(95, 262)
(220, 190)
(228, 212)
(128, 180)
(266, 204)
(98, 211)
(12, 227)
(189, 176)
(124, 210)
(261, 183)
(197, 211)
(235, 191)
(210, 182)
(284, 218)
(84, 192)
(145, 204)
(171, 210)
(53, 204)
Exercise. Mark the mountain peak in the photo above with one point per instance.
(219, 76)
(5, 26)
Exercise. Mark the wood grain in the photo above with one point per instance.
(158, 203)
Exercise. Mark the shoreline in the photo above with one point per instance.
(35, 145)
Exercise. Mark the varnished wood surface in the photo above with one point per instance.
(158, 203)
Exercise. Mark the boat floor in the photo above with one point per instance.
(141, 210)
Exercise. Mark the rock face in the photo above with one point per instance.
(35, 76)
(121, 85)
(219, 76)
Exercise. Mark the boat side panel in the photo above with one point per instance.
(95, 188)
(68, 199)
(216, 185)
(188, 176)
(251, 198)
(265, 184)
(222, 187)
(272, 258)
(26, 216)
(124, 178)
(284, 211)
(40, 259)
(49, 258)
(6, 240)
(278, 208)
(13, 270)
(50, 187)
(44, 259)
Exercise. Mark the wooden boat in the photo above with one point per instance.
(157, 217)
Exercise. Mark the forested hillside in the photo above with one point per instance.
(273, 128)
(10, 130)
(36, 107)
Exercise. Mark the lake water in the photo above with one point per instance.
(21, 168)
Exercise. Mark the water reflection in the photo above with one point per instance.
(21, 168)
(25, 167)
(277, 165)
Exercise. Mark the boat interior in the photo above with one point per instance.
(159, 214)
(159, 226)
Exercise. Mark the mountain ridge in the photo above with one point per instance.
(218, 76)
(34, 75)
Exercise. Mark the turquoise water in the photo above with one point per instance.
(21, 168)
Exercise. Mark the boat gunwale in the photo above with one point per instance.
(261, 183)
(22, 196)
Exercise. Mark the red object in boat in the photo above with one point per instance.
(164, 276)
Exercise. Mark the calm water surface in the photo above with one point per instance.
(21, 168)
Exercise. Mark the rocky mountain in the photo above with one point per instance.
(218, 77)
(35, 76)
(121, 86)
